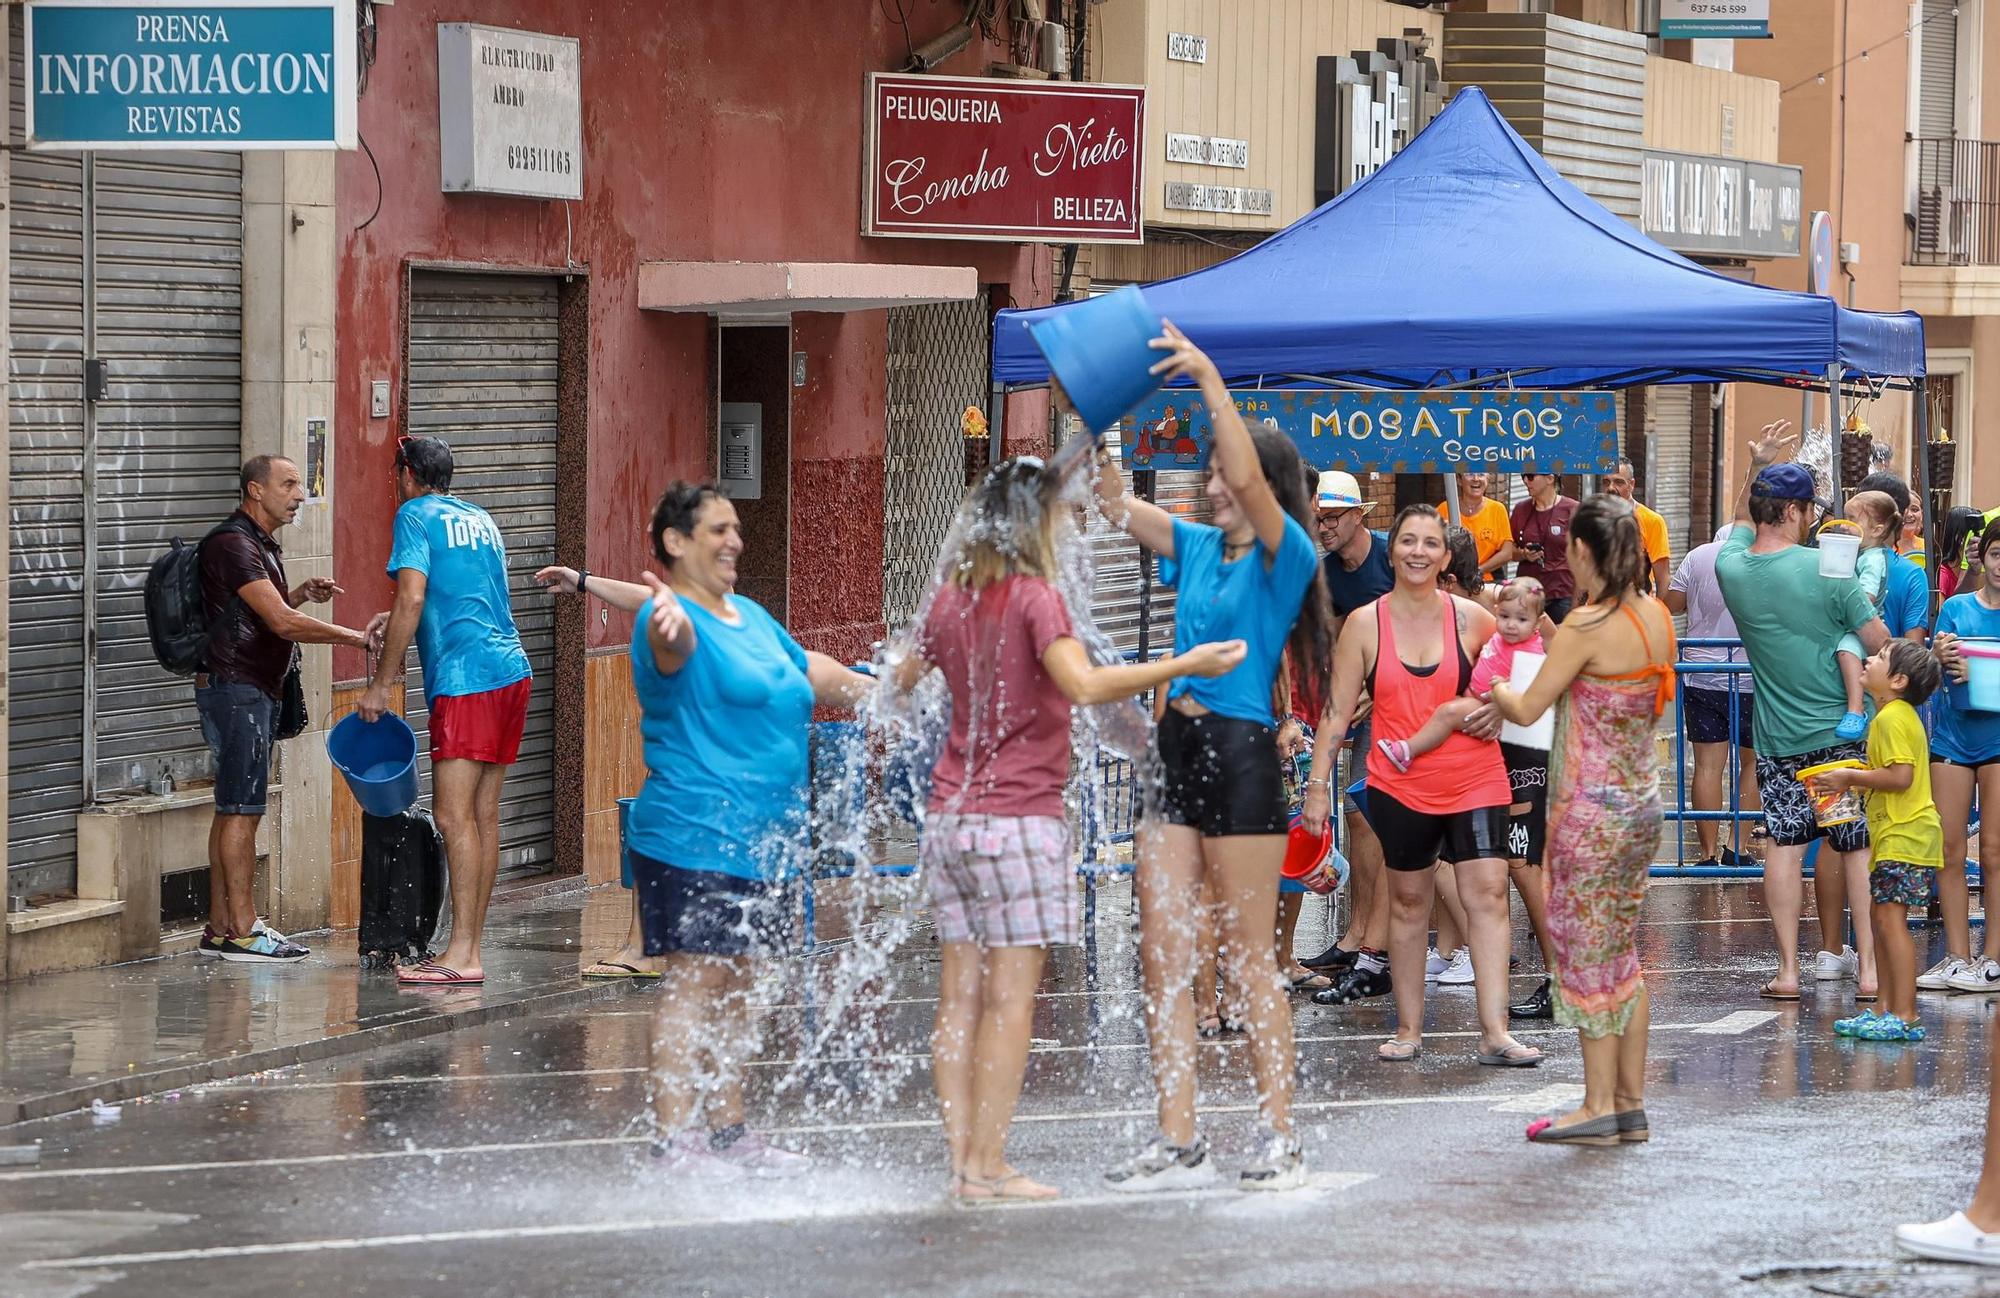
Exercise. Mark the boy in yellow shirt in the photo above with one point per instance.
(1906, 839)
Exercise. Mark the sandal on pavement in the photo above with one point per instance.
(436, 975)
(1208, 1027)
(1010, 1186)
(1309, 981)
(607, 969)
(1770, 992)
(1632, 1128)
(1511, 1055)
(1398, 1051)
(1592, 1131)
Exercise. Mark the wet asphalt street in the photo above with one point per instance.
(505, 1159)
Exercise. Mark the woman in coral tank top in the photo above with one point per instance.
(1413, 651)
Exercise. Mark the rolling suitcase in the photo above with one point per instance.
(402, 886)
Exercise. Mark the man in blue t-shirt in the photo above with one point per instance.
(451, 597)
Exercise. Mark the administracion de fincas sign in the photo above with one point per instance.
(982, 158)
(225, 74)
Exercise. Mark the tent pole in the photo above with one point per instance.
(1833, 422)
(1920, 472)
(1451, 499)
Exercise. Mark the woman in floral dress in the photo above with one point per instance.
(1609, 675)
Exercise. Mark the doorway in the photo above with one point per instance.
(753, 461)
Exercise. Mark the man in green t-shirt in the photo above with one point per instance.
(1790, 618)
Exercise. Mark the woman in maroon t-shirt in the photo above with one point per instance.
(996, 841)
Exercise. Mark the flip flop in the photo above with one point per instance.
(609, 969)
(996, 1193)
(1397, 1051)
(1505, 1057)
(1769, 992)
(1310, 981)
(450, 977)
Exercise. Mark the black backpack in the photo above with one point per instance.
(176, 619)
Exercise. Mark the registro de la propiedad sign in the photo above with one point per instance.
(268, 74)
(980, 158)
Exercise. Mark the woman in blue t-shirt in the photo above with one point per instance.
(1965, 755)
(725, 699)
(1253, 574)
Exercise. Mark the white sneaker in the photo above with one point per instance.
(754, 1155)
(687, 1154)
(1459, 972)
(1280, 1164)
(1938, 977)
(1955, 1239)
(1160, 1166)
(1981, 975)
(1829, 968)
(1434, 964)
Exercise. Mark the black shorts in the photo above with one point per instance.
(1417, 840)
(1220, 775)
(1528, 776)
(1708, 716)
(706, 912)
(1980, 764)
(1788, 811)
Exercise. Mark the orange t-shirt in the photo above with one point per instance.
(1490, 527)
(1652, 534)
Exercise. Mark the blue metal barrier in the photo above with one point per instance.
(1680, 815)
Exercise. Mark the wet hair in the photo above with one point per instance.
(1311, 639)
(1409, 512)
(428, 459)
(1004, 525)
(1889, 485)
(1463, 566)
(680, 506)
(257, 469)
(1526, 591)
(1608, 526)
(1919, 669)
(1766, 511)
(1880, 506)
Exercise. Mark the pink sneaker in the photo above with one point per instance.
(752, 1155)
(687, 1154)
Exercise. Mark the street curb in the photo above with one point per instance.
(174, 1077)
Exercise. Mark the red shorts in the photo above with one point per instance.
(483, 727)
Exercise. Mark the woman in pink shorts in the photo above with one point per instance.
(996, 844)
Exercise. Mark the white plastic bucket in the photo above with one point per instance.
(1982, 684)
(1839, 553)
(1541, 732)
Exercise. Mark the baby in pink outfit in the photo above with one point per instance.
(1518, 610)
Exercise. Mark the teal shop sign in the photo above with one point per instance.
(1397, 432)
(225, 74)
(1715, 20)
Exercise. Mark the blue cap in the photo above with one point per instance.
(1783, 482)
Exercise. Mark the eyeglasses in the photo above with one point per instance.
(1331, 516)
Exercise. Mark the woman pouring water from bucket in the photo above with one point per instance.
(1252, 573)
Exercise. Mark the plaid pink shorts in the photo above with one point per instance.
(1001, 880)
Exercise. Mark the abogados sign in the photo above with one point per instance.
(979, 158)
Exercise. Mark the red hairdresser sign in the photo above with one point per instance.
(979, 158)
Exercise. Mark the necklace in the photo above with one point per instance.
(1234, 550)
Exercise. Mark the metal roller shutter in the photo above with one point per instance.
(1937, 119)
(483, 357)
(938, 358)
(1670, 455)
(136, 259)
(1115, 598)
(169, 435)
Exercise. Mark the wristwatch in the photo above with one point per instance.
(582, 575)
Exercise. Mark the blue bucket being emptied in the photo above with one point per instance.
(1098, 351)
(379, 760)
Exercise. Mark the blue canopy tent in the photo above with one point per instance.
(1467, 262)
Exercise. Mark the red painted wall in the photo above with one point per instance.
(711, 132)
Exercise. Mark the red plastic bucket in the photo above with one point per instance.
(1309, 859)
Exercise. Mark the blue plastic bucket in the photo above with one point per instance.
(1982, 686)
(378, 760)
(625, 841)
(1098, 351)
